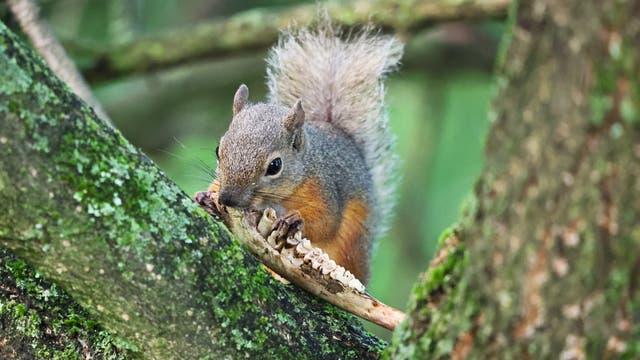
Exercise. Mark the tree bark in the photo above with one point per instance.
(103, 255)
(547, 262)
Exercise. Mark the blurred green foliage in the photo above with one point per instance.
(438, 106)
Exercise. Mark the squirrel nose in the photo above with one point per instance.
(228, 199)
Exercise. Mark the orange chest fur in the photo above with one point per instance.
(320, 223)
(343, 235)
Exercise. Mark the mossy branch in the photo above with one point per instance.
(97, 218)
(258, 28)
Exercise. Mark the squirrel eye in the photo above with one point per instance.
(218, 152)
(274, 167)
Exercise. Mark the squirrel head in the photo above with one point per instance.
(260, 156)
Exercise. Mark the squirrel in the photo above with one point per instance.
(319, 150)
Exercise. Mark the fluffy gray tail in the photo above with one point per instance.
(340, 80)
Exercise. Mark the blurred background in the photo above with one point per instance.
(438, 105)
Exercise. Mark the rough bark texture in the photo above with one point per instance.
(39, 320)
(138, 268)
(553, 241)
(259, 28)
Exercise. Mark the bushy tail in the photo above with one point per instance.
(340, 80)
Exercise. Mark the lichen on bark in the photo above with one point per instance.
(97, 218)
(39, 320)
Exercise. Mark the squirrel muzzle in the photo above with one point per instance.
(234, 198)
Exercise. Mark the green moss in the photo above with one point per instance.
(133, 249)
(17, 80)
(39, 315)
(629, 110)
(438, 276)
(600, 106)
(505, 42)
(439, 285)
(445, 235)
(617, 79)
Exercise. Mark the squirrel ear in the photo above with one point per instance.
(293, 123)
(240, 99)
(295, 117)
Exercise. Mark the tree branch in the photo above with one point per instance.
(26, 13)
(258, 28)
(98, 218)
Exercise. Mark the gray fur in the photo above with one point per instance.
(296, 115)
(240, 99)
(340, 81)
(255, 137)
(325, 153)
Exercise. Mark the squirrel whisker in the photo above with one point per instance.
(298, 199)
(202, 165)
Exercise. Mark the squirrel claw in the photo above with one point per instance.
(287, 226)
(208, 201)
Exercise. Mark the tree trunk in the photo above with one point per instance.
(552, 257)
(132, 266)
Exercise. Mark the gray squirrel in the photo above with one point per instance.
(319, 151)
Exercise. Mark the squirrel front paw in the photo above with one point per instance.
(287, 226)
(208, 201)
